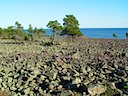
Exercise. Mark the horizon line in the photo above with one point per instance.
(101, 27)
(95, 27)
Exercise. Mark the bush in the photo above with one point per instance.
(48, 44)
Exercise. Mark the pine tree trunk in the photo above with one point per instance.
(53, 38)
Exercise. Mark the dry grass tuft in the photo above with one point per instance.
(4, 92)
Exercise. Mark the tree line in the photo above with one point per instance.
(69, 28)
(17, 32)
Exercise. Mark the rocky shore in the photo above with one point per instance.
(94, 67)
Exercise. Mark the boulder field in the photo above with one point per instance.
(95, 67)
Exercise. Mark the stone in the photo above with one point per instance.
(96, 89)
(64, 70)
(10, 74)
(105, 66)
(10, 80)
(76, 55)
(13, 88)
(66, 78)
(60, 87)
(126, 54)
(21, 88)
(32, 93)
(113, 85)
(86, 82)
(83, 70)
(27, 91)
(43, 77)
(76, 81)
(19, 94)
(126, 67)
(54, 75)
(40, 91)
(0, 80)
(116, 66)
(92, 79)
(102, 76)
(16, 75)
(65, 66)
(90, 74)
(51, 86)
(88, 69)
(36, 71)
(4, 84)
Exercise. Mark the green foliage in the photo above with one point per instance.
(36, 33)
(42, 33)
(126, 86)
(19, 31)
(10, 32)
(127, 35)
(114, 35)
(26, 36)
(14, 32)
(47, 44)
(56, 28)
(71, 26)
(31, 31)
(7, 33)
(1, 30)
(41, 30)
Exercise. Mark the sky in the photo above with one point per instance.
(89, 13)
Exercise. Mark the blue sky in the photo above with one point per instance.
(90, 13)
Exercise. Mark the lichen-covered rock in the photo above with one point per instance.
(10, 80)
(51, 86)
(59, 70)
(60, 87)
(126, 67)
(0, 80)
(76, 81)
(96, 89)
(27, 91)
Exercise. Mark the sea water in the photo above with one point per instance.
(101, 32)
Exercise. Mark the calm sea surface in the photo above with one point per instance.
(101, 32)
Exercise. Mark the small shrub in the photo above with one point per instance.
(26, 38)
(127, 35)
(48, 44)
(126, 86)
(114, 35)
